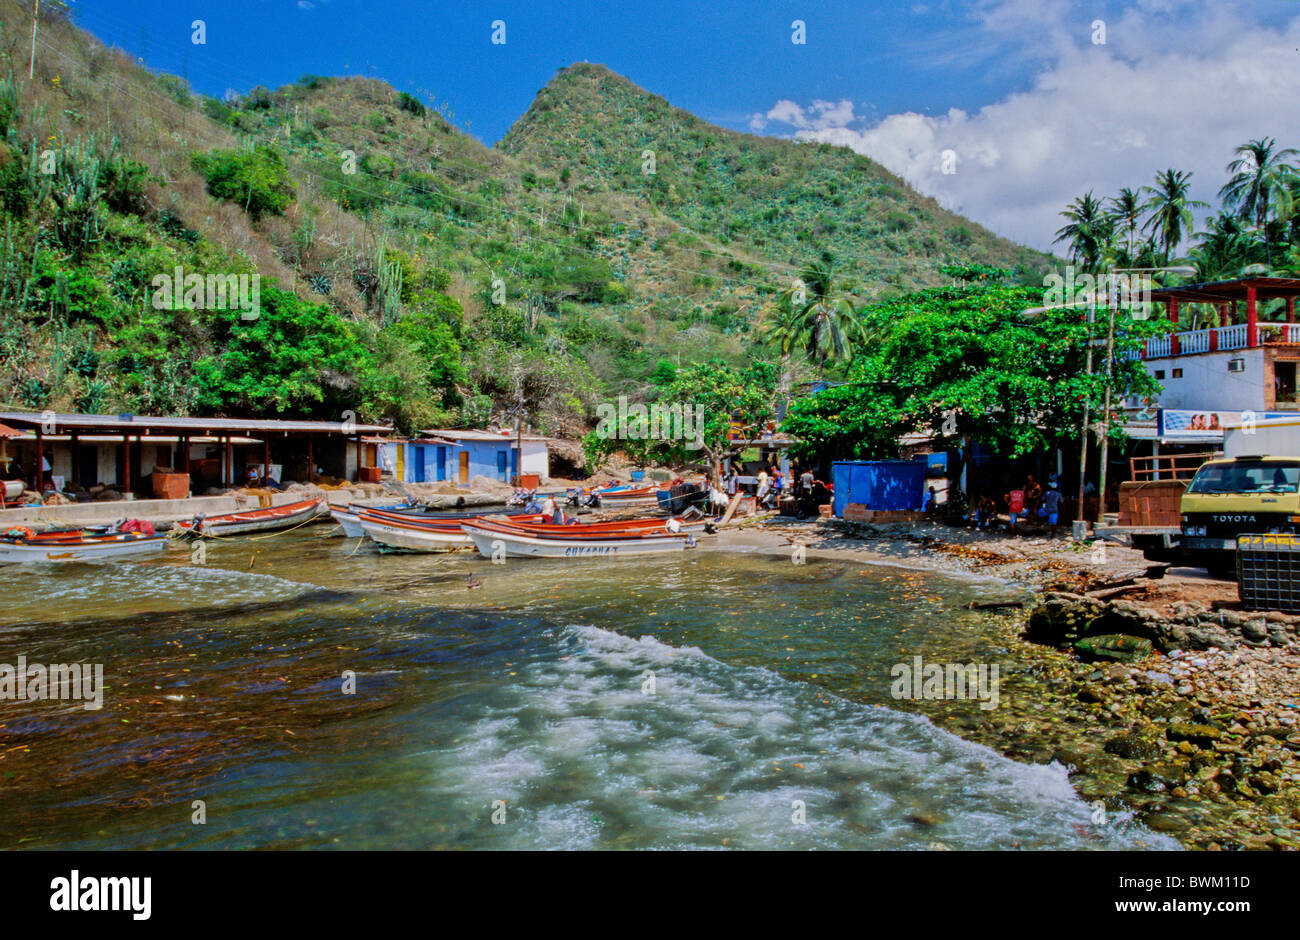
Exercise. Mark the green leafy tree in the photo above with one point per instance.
(1087, 230)
(964, 363)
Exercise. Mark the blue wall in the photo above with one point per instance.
(878, 484)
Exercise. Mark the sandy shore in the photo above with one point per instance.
(1201, 742)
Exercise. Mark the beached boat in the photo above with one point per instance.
(78, 546)
(627, 495)
(653, 526)
(496, 539)
(252, 520)
(414, 533)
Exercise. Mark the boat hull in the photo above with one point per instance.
(498, 542)
(409, 538)
(78, 550)
(255, 520)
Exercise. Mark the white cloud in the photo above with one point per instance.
(1179, 83)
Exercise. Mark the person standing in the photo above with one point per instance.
(1033, 493)
(1015, 500)
(1051, 508)
(761, 494)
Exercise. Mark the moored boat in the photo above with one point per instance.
(78, 546)
(413, 533)
(497, 539)
(252, 520)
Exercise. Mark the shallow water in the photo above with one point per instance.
(705, 700)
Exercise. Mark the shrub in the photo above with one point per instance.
(257, 179)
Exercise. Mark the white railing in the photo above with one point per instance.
(1232, 337)
(1280, 332)
(1195, 341)
(1157, 347)
(1220, 338)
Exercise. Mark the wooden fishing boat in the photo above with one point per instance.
(349, 517)
(627, 495)
(615, 527)
(498, 539)
(414, 534)
(78, 546)
(252, 520)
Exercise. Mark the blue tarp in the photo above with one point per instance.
(878, 484)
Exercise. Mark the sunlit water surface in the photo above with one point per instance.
(701, 700)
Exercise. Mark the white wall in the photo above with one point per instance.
(1275, 442)
(533, 458)
(1206, 384)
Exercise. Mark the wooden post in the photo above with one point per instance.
(1252, 319)
(1290, 310)
(230, 463)
(266, 459)
(185, 455)
(311, 462)
(40, 456)
(126, 457)
(360, 458)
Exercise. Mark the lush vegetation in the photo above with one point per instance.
(1255, 229)
(968, 363)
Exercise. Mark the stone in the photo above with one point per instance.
(1113, 646)
(1200, 735)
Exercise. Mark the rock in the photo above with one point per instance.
(1134, 745)
(1113, 646)
(1264, 782)
(1165, 822)
(1202, 736)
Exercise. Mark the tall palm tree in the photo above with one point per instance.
(1170, 209)
(1262, 182)
(1224, 248)
(1126, 212)
(1087, 230)
(826, 326)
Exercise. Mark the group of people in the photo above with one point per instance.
(772, 484)
(1022, 503)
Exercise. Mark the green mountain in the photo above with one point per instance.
(408, 272)
(775, 201)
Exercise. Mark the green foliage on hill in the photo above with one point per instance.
(410, 273)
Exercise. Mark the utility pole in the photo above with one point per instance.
(1083, 443)
(31, 68)
(1105, 415)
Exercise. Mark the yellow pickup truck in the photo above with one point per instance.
(1235, 496)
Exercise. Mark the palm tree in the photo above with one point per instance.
(1170, 209)
(1088, 230)
(1261, 182)
(1224, 248)
(1126, 211)
(825, 325)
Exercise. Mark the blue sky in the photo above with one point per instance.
(1034, 108)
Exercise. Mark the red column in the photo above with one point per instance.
(1225, 318)
(1290, 310)
(1173, 319)
(1252, 319)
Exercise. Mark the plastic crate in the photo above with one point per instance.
(1268, 572)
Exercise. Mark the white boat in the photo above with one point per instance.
(78, 546)
(349, 520)
(411, 537)
(502, 541)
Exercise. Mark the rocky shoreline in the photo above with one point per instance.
(1161, 697)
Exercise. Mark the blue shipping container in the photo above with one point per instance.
(878, 484)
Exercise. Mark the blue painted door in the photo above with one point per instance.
(442, 464)
(419, 464)
(501, 465)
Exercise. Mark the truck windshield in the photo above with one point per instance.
(1247, 476)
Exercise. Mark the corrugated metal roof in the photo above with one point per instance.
(481, 435)
(141, 424)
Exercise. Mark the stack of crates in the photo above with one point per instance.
(1268, 572)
